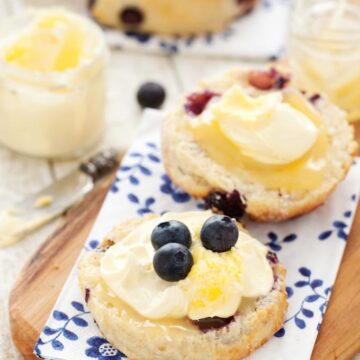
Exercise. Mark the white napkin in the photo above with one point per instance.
(258, 35)
(310, 247)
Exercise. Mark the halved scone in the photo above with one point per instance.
(249, 141)
(168, 16)
(147, 317)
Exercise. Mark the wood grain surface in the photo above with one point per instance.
(42, 279)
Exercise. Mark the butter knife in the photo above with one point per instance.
(40, 208)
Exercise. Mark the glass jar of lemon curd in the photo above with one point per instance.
(324, 50)
(52, 83)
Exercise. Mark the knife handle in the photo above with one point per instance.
(101, 164)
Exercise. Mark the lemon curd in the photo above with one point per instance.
(55, 43)
(167, 328)
(251, 156)
(52, 83)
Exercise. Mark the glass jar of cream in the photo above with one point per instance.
(52, 83)
(324, 50)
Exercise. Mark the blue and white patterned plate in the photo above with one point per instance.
(258, 35)
(310, 247)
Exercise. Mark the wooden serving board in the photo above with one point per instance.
(42, 279)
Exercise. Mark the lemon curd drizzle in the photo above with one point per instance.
(168, 328)
(309, 168)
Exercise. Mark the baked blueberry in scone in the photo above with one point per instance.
(184, 286)
(249, 141)
(169, 16)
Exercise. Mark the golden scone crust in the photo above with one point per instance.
(169, 16)
(247, 332)
(190, 167)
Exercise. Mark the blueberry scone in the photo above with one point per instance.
(169, 16)
(248, 141)
(184, 286)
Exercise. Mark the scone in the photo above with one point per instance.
(169, 16)
(248, 141)
(184, 286)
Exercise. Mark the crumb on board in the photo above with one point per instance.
(43, 201)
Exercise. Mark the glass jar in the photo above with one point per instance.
(324, 50)
(53, 114)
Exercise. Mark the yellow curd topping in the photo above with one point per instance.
(216, 285)
(55, 42)
(277, 138)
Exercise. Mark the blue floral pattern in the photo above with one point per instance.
(137, 165)
(57, 336)
(315, 294)
(140, 188)
(144, 206)
(168, 188)
(275, 244)
(92, 244)
(100, 349)
(339, 227)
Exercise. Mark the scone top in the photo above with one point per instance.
(214, 282)
(262, 125)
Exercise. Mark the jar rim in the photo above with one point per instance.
(306, 13)
(57, 79)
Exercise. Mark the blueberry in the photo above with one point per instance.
(212, 323)
(173, 262)
(232, 204)
(219, 233)
(172, 231)
(131, 15)
(151, 95)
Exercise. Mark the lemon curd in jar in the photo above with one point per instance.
(52, 83)
(324, 50)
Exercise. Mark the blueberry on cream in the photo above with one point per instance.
(172, 231)
(173, 262)
(193, 283)
(219, 233)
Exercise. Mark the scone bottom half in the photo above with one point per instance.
(232, 337)
(204, 158)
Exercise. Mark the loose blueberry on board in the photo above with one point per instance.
(131, 15)
(151, 95)
(172, 231)
(219, 233)
(173, 262)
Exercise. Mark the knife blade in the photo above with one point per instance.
(38, 209)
